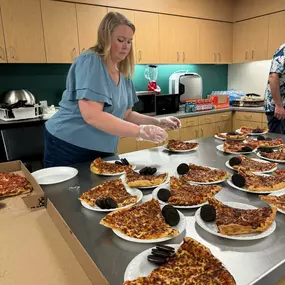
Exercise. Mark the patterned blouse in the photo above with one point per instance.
(277, 66)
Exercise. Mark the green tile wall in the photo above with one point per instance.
(47, 81)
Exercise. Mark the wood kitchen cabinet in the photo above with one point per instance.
(88, 20)
(60, 31)
(223, 127)
(23, 30)
(206, 130)
(3, 53)
(215, 42)
(250, 40)
(178, 39)
(147, 38)
(189, 133)
(276, 33)
(250, 119)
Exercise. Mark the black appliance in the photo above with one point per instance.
(167, 103)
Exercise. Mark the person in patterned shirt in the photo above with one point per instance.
(274, 100)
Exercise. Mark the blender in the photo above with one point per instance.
(150, 73)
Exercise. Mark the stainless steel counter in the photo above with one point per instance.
(248, 261)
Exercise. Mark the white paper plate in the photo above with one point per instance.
(123, 177)
(132, 191)
(53, 175)
(220, 147)
(180, 227)
(187, 150)
(141, 267)
(207, 183)
(154, 196)
(254, 192)
(255, 159)
(269, 159)
(115, 174)
(212, 227)
(223, 139)
(278, 193)
(251, 134)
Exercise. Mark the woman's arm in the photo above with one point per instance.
(140, 119)
(93, 114)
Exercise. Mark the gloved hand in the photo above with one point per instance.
(152, 133)
(169, 123)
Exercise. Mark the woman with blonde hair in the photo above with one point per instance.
(96, 107)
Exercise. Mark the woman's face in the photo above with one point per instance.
(121, 42)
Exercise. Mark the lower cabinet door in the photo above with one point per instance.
(223, 127)
(207, 130)
(189, 133)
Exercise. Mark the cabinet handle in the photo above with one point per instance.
(140, 55)
(202, 132)
(219, 128)
(220, 58)
(177, 56)
(248, 117)
(215, 58)
(74, 53)
(183, 56)
(224, 116)
(252, 54)
(12, 51)
(83, 50)
(197, 133)
(2, 52)
(246, 55)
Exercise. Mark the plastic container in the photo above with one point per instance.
(20, 113)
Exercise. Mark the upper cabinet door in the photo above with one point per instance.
(169, 38)
(60, 30)
(241, 44)
(88, 19)
(189, 39)
(147, 37)
(208, 42)
(23, 31)
(276, 33)
(3, 54)
(259, 38)
(225, 44)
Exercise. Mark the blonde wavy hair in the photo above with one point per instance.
(103, 45)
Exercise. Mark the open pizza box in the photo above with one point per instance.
(33, 200)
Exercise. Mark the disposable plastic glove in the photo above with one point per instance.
(169, 123)
(152, 133)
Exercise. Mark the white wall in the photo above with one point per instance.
(249, 77)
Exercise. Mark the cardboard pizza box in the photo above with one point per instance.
(33, 200)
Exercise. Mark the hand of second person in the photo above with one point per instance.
(152, 133)
(169, 123)
(279, 112)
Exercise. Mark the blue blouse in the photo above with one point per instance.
(88, 78)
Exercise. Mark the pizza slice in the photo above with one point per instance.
(279, 172)
(134, 179)
(238, 146)
(114, 189)
(234, 221)
(254, 182)
(144, 221)
(231, 136)
(193, 263)
(275, 155)
(12, 184)
(277, 201)
(251, 130)
(180, 145)
(265, 143)
(99, 166)
(204, 174)
(185, 194)
(253, 165)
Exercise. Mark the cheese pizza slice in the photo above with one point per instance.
(144, 221)
(193, 263)
(234, 221)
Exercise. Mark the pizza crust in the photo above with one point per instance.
(273, 200)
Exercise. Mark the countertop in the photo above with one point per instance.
(112, 254)
(179, 114)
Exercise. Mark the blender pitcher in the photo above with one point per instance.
(150, 73)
